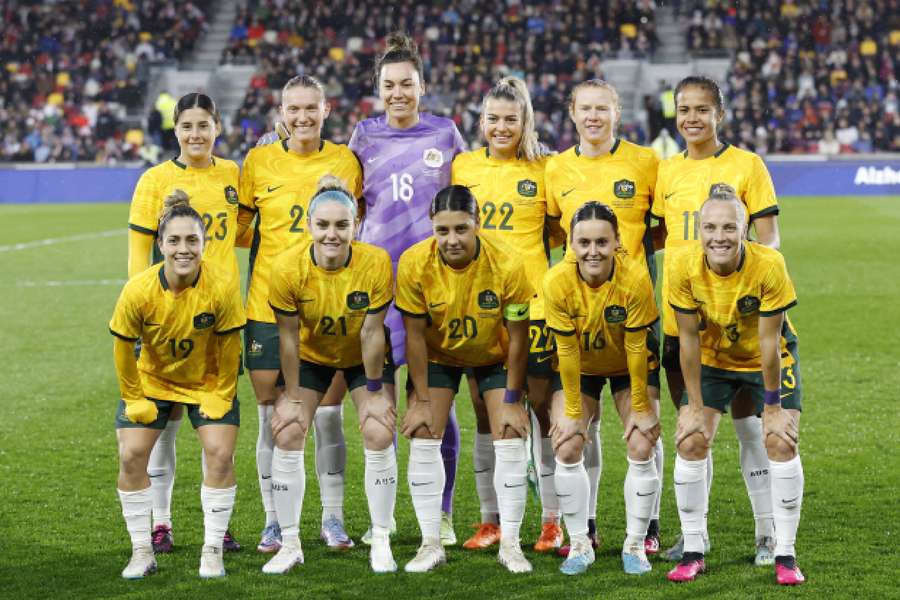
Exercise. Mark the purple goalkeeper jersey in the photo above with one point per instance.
(403, 169)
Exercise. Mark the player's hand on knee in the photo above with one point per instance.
(778, 422)
(418, 415)
(647, 423)
(513, 417)
(141, 411)
(288, 410)
(213, 407)
(378, 408)
(690, 421)
(565, 428)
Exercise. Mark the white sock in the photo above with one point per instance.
(264, 445)
(659, 458)
(593, 464)
(572, 491)
(381, 487)
(549, 501)
(136, 507)
(483, 464)
(161, 470)
(787, 499)
(511, 483)
(709, 480)
(690, 495)
(217, 506)
(331, 459)
(641, 490)
(426, 484)
(288, 487)
(755, 468)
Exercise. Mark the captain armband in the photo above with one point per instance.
(516, 312)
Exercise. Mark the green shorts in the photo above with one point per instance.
(592, 385)
(164, 408)
(489, 377)
(719, 387)
(541, 350)
(318, 377)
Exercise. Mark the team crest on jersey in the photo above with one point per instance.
(231, 195)
(255, 349)
(615, 314)
(748, 305)
(624, 188)
(488, 299)
(433, 157)
(357, 300)
(527, 188)
(204, 321)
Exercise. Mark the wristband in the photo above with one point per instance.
(512, 396)
(772, 397)
(373, 385)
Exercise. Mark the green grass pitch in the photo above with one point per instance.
(62, 534)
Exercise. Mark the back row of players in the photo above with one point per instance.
(468, 235)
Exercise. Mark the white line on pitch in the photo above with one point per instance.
(62, 240)
(70, 282)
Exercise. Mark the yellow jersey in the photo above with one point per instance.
(278, 184)
(624, 180)
(464, 307)
(331, 305)
(214, 194)
(600, 316)
(513, 203)
(178, 333)
(683, 186)
(730, 306)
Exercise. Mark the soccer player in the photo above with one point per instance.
(684, 183)
(507, 179)
(212, 184)
(329, 296)
(464, 299)
(623, 176)
(599, 308)
(276, 184)
(729, 297)
(188, 313)
(406, 157)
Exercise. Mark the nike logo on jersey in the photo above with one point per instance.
(669, 195)
(647, 494)
(272, 189)
(371, 160)
(419, 483)
(506, 485)
(521, 313)
(435, 304)
(567, 192)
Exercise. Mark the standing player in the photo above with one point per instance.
(212, 184)
(507, 179)
(464, 300)
(406, 157)
(330, 295)
(622, 175)
(684, 182)
(187, 312)
(277, 182)
(739, 291)
(599, 307)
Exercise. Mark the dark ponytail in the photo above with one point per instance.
(454, 197)
(593, 210)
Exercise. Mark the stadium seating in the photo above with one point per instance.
(71, 69)
(808, 76)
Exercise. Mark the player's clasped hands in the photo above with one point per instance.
(778, 422)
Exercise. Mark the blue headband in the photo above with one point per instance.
(332, 196)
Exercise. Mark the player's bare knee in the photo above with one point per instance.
(376, 435)
(132, 461)
(693, 447)
(219, 461)
(778, 449)
(639, 447)
(570, 451)
(291, 437)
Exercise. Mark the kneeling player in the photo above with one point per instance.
(464, 300)
(329, 297)
(730, 297)
(188, 314)
(600, 307)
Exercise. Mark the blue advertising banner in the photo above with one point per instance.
(64, 184)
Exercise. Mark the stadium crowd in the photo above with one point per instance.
(807, 76)
(72, 69)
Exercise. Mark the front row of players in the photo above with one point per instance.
(465, 304)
